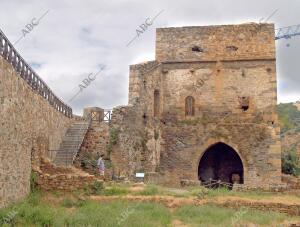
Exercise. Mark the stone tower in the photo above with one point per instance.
(205, 109)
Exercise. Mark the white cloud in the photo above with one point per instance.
(76, 36)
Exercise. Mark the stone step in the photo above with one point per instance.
(73, 138)
(76, 130)
(64, 160)
(66, 144)
(68, 150)
(70, 143)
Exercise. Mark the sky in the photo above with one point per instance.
(69, 41)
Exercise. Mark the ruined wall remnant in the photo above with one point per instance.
(50, 177)
(128, 139)
(208, 85)
(94, 144)
(29, 128)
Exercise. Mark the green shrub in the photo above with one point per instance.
(290, 163)
(88, 161)
(113, 139)
(288, 115)
(97, 187)
(113, 134)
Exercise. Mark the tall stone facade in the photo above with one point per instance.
(205, 108)
(29, 129)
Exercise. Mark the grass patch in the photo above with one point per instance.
(31, 212)
(69, 203)
(222, 191)
(149, 190)
(70, 210)
(192, 191)
(96, 188)
(209, 215)
(115, 190)
(36, 212)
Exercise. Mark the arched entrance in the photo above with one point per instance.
(221, 162)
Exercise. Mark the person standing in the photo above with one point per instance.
(101, 165)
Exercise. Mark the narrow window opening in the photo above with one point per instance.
(145, 118)
(189, 106)
(156, 103)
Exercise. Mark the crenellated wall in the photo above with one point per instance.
(29, 126)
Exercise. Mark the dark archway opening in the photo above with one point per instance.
(221, 162)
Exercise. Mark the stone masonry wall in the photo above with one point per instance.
(28, 125)
(95, 143)
(235, 42)
(231, 63)
(129, 150)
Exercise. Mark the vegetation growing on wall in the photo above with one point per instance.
(33, 181)
(89, 161)
(113, 139)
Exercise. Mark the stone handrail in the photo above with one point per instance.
(9, 53)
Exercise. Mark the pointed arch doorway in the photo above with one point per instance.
(221, 162)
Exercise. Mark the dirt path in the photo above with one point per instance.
(270, 204)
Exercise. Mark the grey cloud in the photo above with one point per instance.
(76, 36)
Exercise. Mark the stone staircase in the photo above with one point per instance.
(71, 143)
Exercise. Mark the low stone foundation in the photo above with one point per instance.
(65, 182)
(50, 177)
(280, 187)
(291, 209)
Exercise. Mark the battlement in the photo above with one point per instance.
(216, 43)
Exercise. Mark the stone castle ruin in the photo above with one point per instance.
(203, 110)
